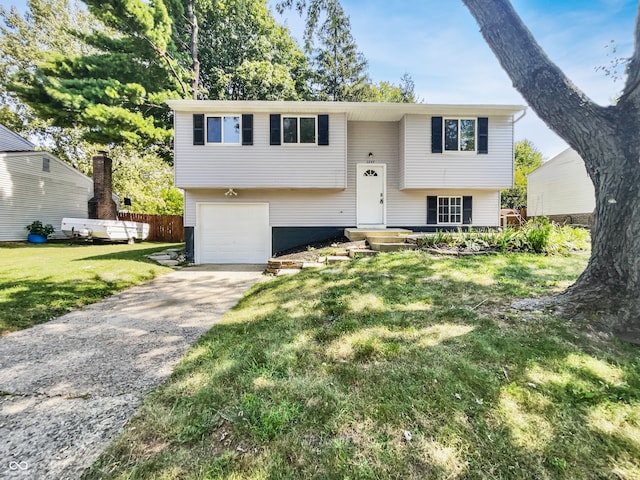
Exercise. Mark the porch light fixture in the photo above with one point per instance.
(231, 192)
(370, 154)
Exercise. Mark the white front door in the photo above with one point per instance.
(371, 193)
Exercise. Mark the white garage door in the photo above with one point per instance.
(233, 233)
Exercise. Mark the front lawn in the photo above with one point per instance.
(402, 366)
(41, 281)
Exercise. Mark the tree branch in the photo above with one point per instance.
(556, 100)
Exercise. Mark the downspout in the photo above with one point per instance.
(513, 152)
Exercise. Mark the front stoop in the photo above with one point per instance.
(388, 240)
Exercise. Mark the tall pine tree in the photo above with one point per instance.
(116, 91)
(340, 70)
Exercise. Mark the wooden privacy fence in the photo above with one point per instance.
(162, 228)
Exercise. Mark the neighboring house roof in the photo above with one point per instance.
(569, 155)
(10, 141)
(355, 111)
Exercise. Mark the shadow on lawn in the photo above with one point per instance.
(133, 254)
(323, 375)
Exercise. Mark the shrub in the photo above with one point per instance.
(535, 236)
(37, 228)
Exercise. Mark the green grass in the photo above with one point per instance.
(402, 366)
(41, 281)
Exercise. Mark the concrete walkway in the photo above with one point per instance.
(67, 387)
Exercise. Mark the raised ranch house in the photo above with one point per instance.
(261, 177)
(561, 190)
(36, 186)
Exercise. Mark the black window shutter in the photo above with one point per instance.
(247, 129)
(467, 203)
(483, 135)
(198, 129)
(432, 210)
(323, 129)
(436, 135)
(274, 128)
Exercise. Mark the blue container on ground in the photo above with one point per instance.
(33, 238)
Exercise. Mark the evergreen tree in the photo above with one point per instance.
(340, 70)
(116, 86)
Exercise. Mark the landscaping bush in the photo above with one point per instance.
(535, 236)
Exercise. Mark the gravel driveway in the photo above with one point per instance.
(67, 387)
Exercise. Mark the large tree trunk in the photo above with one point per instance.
(607, 293)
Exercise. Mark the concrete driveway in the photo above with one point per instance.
(67, 387)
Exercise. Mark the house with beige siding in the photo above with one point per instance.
(36, 186)
(261, 177)
(561, 190)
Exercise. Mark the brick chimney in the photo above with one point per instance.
(102, 206)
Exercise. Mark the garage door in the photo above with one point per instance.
(233, 233)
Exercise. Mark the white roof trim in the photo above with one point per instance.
(365, 111)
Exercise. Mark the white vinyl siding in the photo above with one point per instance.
(260, 165)
(12, 142)
(338, 208)
(423, 169)
(561, 186)
(28, 193)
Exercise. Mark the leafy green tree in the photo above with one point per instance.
(388, 92)
(527, 159)
(146, 179)
(242, 52)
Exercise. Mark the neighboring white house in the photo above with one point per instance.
(36, 186)
(261, 177)
(561, 190)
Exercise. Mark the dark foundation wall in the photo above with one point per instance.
(288, 238)
(189, 244)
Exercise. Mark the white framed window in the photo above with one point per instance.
(450, 210)
(459, 134)
(223, 129)
(46, 164)
(299, 130)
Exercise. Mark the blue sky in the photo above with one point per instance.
(439, 44)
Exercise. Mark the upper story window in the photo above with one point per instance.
(460, 134)
(223, 129)
(46, 165)
(299, 130)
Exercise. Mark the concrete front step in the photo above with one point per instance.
(385, 239)
(357, 234)
(361, 252)
(392, 247)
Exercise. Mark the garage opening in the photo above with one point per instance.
(232, 233)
